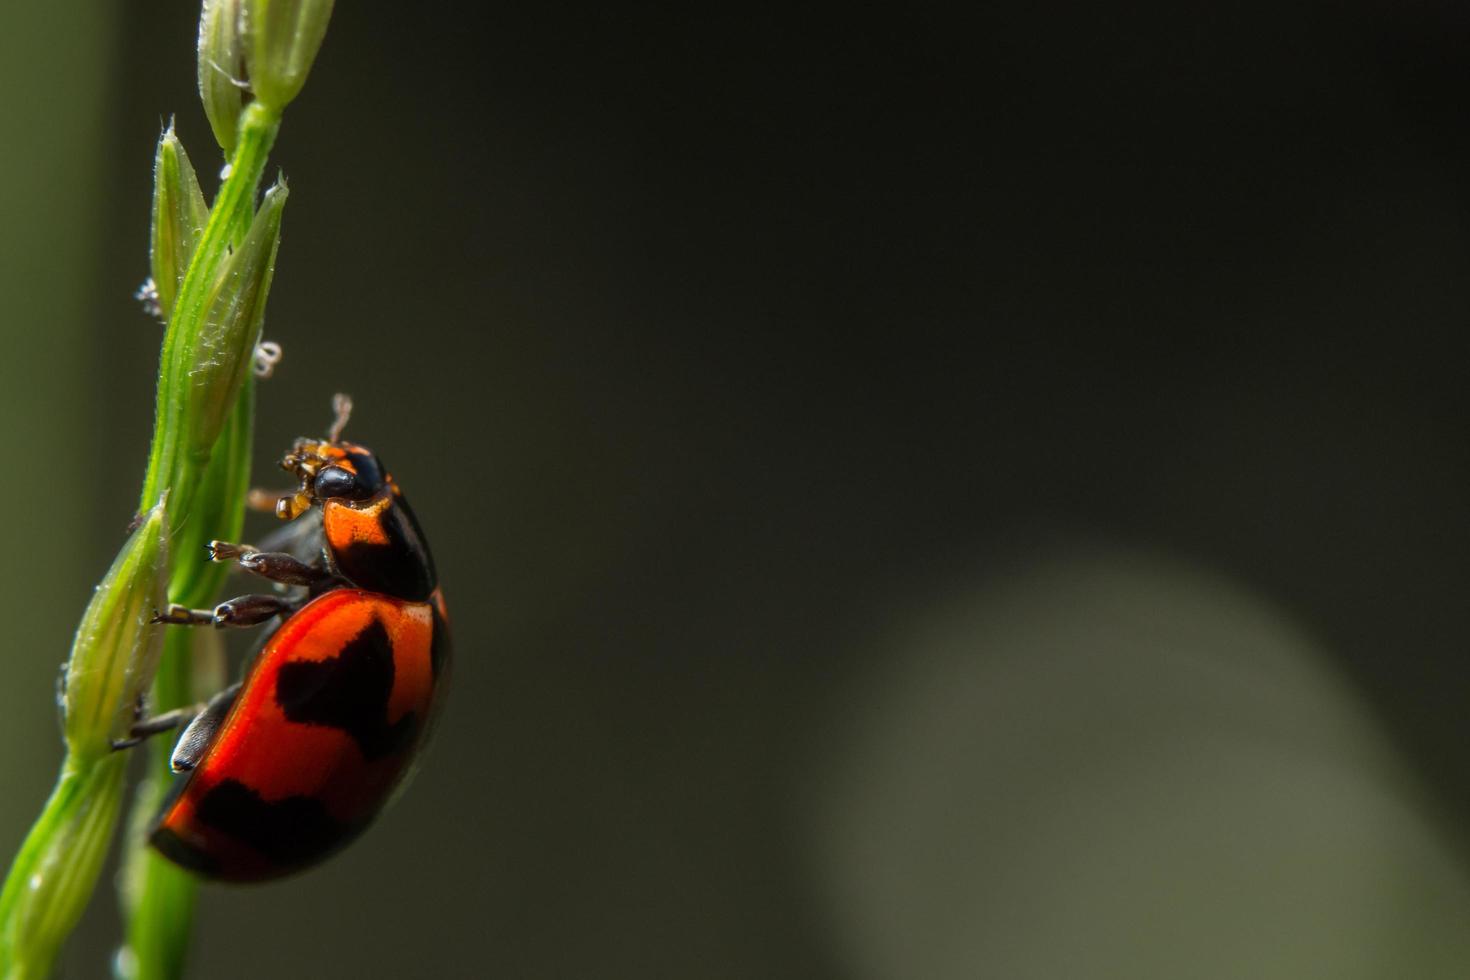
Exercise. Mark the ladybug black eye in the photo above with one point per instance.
(334, 481)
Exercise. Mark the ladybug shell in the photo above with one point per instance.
(323, 728)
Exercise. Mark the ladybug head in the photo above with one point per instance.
(331, 469)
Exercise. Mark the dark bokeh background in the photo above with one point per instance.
(719, 347)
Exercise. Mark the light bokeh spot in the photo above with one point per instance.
(1116, 766)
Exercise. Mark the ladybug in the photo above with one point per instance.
(290, 764)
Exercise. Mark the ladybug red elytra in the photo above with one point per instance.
(289, 765)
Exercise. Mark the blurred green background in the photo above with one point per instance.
(921, 495)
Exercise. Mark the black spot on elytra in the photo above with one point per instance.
(292, 831)
(350, 691)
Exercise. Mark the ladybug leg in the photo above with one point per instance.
(146, 727)
(200, 732)
(251, 610)
(245, 610)
(178, 615)
(274, 565)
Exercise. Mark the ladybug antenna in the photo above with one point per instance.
(342, 411)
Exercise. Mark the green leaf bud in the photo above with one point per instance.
(179, 216)
(221, 67)
(282, 39)
(116, 649)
